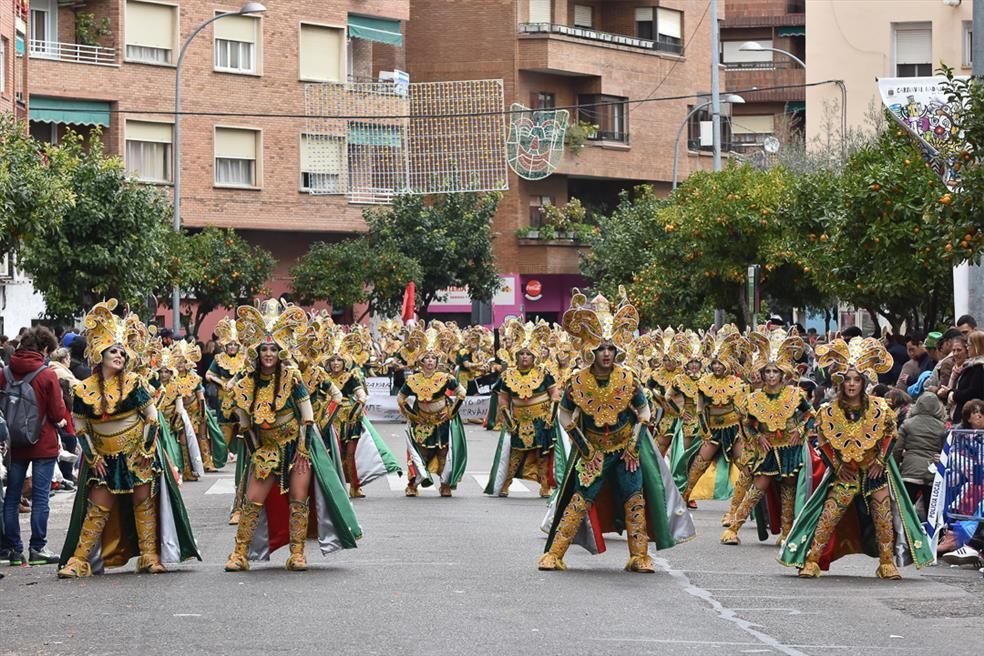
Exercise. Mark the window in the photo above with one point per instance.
(582, 15)
(609, 113)
(322, 53)
(44, 132)
(540, 11)
(537, 203)
(664, 26)
(968, 44)
(148, 150)
(3, 65)
(236, 157)
(913, 50)
(44, 27)
(542, 100)
(322, 163)
(748, 130)
(700, 130)
(236, 43)
(151, 32)
(733, 57)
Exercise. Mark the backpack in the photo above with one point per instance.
(19, 405)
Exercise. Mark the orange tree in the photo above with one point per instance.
(961, 212)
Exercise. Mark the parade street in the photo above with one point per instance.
(469, 584)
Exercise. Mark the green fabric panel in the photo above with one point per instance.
(389, 460)
(339, 506)
(166, 438)
(67, 110)
(655, 493)
(380, 30)
(372, 135)
(220, 450)
(459, 451)
(791, 30)
(490, 486)
(795, 106)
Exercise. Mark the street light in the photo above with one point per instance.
(728, 98)
(248, 8)
(755, 46)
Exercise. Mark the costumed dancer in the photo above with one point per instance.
(723, 396)
(685, 403)
(664, 368)
(124, 478)
(615, 478)
(778, 423)
(190, 406)
(430, 400)
(528, 397)
(862, 487)
(503, 360)
(225, 367)
(289, 471)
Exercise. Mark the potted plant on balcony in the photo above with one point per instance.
(577, 135)
(528, 232)
(583, 233)
(548, 232)
(89, 31)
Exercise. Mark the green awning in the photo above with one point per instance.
(795, 106)
(381, 30)
(791, 31)
(374, 135)
(45, 109)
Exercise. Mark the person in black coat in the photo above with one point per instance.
(970, 383)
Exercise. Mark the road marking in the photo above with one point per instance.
(222, 486)
(514, 487)
(724, 612)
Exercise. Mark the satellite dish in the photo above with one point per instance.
(771, 145)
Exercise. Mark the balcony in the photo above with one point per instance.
(601, 37)
(73, 52)
(742, 77)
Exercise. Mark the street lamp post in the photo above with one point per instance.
(755, 46)
(248, 8)
(729, 98)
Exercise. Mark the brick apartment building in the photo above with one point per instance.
(561, 53)
(776, 24)
(13, 65)
(100, 63)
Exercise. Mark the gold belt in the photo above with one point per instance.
(532, 411)
(723, 419)
(125, 440)
(612, 440)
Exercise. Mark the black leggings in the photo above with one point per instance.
(916, 490)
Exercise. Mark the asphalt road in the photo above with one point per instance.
(458, 576)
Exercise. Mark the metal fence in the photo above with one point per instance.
(965, 476)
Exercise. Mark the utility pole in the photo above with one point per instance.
(716, 84)
(968, 281)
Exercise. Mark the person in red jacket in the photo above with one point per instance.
(42, 457)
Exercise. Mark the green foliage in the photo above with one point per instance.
(88, 31)
(449, 238)
(577, 135)
(962, 213)
(218, 268)
(350, 272)
(110, 243)
(34, 188)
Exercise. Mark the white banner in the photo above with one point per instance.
(381, 407)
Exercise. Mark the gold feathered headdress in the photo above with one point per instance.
(777, 349)
(438, 340)
(103, 329)
(689, 346)
(867, 356)
(226, 332)
(146, 346)
(527, 336)
(185, 354)
(726, 346)
(166, 361)
(270, 323)
(560, 343)
(389, 336)
(592, 324)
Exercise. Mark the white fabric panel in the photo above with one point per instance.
(237, 28)
(147, 131)
(732, 54)
(752, 124)
(235, 144)
(913, 46)
(321, 53)
(150, 25)
(321, 154)
(669, 22)
(540, 11)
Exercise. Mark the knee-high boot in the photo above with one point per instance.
(187, 473)
(351, 473)
(78, 565)
(697, 469)
(566, 530)
(787, 498)
(742, 485)
(881, 516)
(442, 461)
(145, 518)
(297, 527)
(833, 509)
(745, 508)
(515, 460)
(205, 445)
(637, 535)
(543, 463)
(249, 517)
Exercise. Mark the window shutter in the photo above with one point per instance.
(540, 11)
(321, 49)
(669, 22)
(644, 14)
(732, 54)
(321, 154)
(148, 131)
(237, 28)
(913, 46)
(150, 25)
(752, 124)
(582, 16)
(235, 144)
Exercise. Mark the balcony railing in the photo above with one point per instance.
(760, 65)
(73, 52)
(596, 35)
